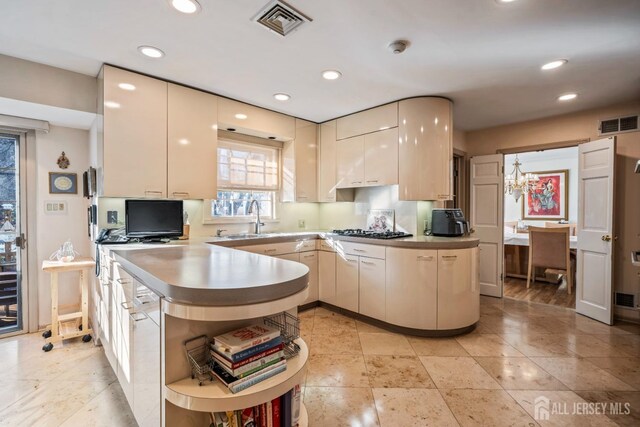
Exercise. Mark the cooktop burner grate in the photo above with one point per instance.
(369, 234)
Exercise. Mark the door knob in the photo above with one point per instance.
(606, 238)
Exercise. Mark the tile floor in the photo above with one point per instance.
(360, 375)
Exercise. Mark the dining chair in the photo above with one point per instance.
(570, 225)
(549, 247)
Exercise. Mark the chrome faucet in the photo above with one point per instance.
(258, 223)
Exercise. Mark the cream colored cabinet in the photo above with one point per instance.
(372, 288)
(425, 154)
(458, 288)
(310, 259)
(350, 162)
(381, 158)
(347, 282)
(192, 144)
(300, 163)
(327, 276)
(289, 257)
(133, 150)
(367, 121)
(412, 288)
(123, 286)
(251, 120)
(327, 167)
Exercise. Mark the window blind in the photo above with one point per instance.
(247, 166)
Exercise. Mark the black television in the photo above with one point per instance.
(153, 218)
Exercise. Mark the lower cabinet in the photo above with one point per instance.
(458, 288)
(372, 288)
(347, 293)
(310, 259)
(327, 277)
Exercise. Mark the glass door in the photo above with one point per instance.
(11, 237)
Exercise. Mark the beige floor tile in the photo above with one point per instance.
(397, 371)
(412, 407)
(347, 342)
(583, 324)
(340, 406)
(385, 344)
(365, 327)
(338, 370)
(501, 325)
(519, 373)
(560, 407)
(627, 403)
(457, 372)
(580, 374)
(628, 345)
(333, 324)
(487, 345)
(540, 345)
(486, 408)
(626, 369)
(437, 347)
(107, 409)
(591, 346)
(13, 390)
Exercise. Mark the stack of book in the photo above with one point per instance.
(283, 411)
(247, 356)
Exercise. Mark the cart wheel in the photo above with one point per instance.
(46, 334)
(47, 347)
(86, 338)
(200, 383)
(80, 327)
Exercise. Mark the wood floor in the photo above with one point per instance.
(541, 292)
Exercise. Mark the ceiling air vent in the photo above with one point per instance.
(280, 17)
(618, 125)
(625, 300)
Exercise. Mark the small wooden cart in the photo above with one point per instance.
(70, 325)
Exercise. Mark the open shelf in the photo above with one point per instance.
(215, 397)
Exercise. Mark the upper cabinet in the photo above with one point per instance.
(327, 167)
(133, 151)
(425, 155)
(300, 163)
(350, 163)
(372, 120)
(192, 144)
(250, 120)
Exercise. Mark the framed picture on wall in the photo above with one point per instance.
(550, 199)
(63, 183)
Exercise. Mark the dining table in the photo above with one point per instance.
(516, 256)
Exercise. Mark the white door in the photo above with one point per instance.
(594, 286)
(487, 198)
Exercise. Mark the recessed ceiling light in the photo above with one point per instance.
(186, 6)
(241, 116)
(282, 97)
(567, 97)
(151, 52)
(554, 64)
(331, 74)
(126, 86)
(111, 104)
(183, 141)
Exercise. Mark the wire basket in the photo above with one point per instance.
(289, 326)
(200, 358)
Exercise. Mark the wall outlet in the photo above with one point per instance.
(112, 217)
(301, 223)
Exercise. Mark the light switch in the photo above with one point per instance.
(55, 207)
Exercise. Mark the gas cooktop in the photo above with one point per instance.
(357, 232)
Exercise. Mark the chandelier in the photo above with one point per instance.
(518, 182)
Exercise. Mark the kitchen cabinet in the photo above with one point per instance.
(250, 120)
(192, 144)
(458, 288)
(122, 284)
(425, 154)
(132, 153)
(350, 162)
(310, 259)
(327, 276)
(300, 163)
(371, 288)
(412, 288)
(347, 282)
(367, 121)
(327, 167)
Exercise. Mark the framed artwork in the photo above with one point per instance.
(381, 220)
(550, 199)
(63, 183)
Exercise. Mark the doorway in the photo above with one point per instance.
(12, 220)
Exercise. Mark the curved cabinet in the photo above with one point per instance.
(458, 288)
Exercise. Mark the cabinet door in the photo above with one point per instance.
(134, 148)
(458, 290)
(327, 171)
(372, 288)
(412, 288)
(306, 161)
(192, 144)
(125, 288)
(350, 162)
(347, 282)
(367, 121)
(310, 259)
(425, 154)
(381, 157)
(250, 120)
(327, 277)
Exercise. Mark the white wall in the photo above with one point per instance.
(549, 160)
(53, 230)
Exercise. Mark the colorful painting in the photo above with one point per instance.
(550, 199)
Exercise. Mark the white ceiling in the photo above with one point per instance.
(483, 55)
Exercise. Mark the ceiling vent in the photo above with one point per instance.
(618, 125)
(280, 17)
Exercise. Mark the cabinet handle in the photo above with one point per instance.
(352, 260)
(152, 192)
(367, 262)
(269, 250)
(425, 257)
(359, 250)
(356, 182)
(127, 305)
(449, 257)
(308, 256)
(123, 281)
(182, 194)
(373, 180)
(137, 316)
(302, 197)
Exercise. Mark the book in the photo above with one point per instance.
(285, 413)
(248, 360)
(237, 384)
(259, 364)
(220, 419)
(275, 412)
(245, 338)
(247, 418)
(270, 414)
(236, 357)
(295, 405)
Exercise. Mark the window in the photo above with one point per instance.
(245, 172)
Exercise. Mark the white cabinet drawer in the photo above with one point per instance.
(328, 245)
(306, 245)
(280, 248)
(371, 251)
